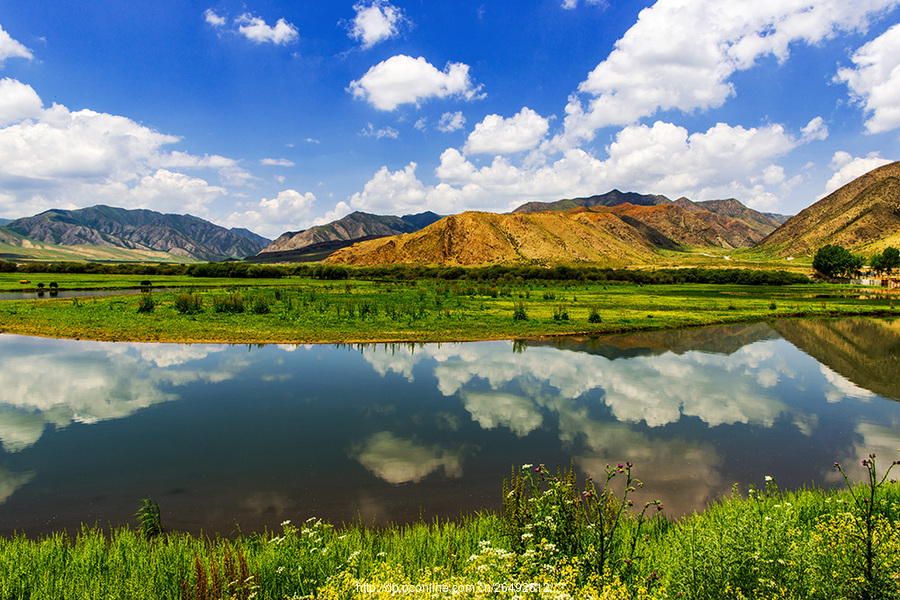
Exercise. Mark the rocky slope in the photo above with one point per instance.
(355, 226)
(609, 232)
(182, 235)
(864, 214)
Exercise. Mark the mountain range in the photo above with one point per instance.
(319, 241)
(147, 234)
(613, 229)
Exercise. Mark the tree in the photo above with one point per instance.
(877, 263)
(890, 259)
(832, 260)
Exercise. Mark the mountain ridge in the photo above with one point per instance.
(856, 215)
(356, 226)
(136, 229)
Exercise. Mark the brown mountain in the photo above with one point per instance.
(478, 238)
(343, 232)
(863, 213)
(612, 198)
(723, 223)
(603, 230)
(865, 351)
(693, 225)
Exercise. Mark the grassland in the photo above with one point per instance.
(552, 540)
(302, 310)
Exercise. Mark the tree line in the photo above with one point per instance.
(836, 261)
(494, 273)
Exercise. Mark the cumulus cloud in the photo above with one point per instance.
(214, 19)
(256, 30)
(496, 135)
(93, 383)
(875, 80)
(723, 161)
(847, 168)
(403, 79)
(398, 460)
(271, 217)
(391, 193)
(680, 56)
(375, 21)
(57, 158)
(168, 191)
(18, 102)
(10, 48)
(451, 122)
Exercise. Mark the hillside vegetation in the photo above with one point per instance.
(141, 231)
(863, 215)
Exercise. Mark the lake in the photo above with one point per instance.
(232, 439)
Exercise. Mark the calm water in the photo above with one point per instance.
(237, 437)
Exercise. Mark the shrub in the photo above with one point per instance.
(261, 305)
(146, 303)
(232, 303)
(594, 315)
(519, 313)
(189, 303)
(561, 313)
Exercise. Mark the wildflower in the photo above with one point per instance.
(768, 478)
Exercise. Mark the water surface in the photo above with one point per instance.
(239, 438)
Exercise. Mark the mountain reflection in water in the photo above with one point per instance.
(234, 436)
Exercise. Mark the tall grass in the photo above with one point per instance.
(548, 542)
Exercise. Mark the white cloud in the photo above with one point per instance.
(496, 135)
(213, 19)
(680, 55)
(398, 460)
(570, 4)
(815, 130)
(847, 168)
(18, 102)
(10, 48)
(273, 217)
(402, 79)
(167, 191)
(723, 161)
(276, 162)
(384, 132)
(375, 21)
(451, 122)
(494, 409)
(875, 82)
(391, 193)
(256, 30)
(57, 158)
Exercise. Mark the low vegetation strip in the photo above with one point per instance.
(311, 310)
(554, 538)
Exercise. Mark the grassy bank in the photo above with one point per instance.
(295, 310)
(555, 538)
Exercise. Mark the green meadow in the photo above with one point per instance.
(301, 309)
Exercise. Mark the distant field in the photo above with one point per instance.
(301, 310)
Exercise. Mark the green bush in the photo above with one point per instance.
(189, 303)
(146, 303)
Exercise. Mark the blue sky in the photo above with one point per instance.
(277, 115)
